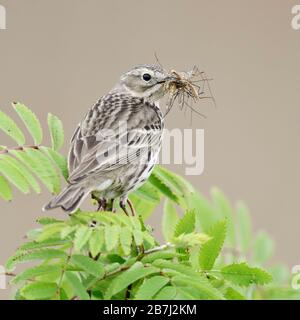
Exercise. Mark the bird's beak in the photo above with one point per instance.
(167, 78)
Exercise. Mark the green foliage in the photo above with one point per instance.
(105, 255)
(170, 220)
(244, 225)
(150, 287)
(232, 294)
(263, 248)
(5, 190)
(186, 224)
(212, 248)
(56, 131)
(31, 122)
(243, 275)
(11, 129)
(38, 291)
(24, 165)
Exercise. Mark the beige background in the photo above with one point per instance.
(61, 55)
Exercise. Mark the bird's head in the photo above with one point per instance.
(146, 81)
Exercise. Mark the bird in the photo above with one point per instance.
(116, 146)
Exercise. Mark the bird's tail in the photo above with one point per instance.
(69, 199)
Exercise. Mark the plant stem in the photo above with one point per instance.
(9, 274)
(63, 271)
(168, 245)
(19, 148)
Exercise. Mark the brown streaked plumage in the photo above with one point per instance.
(116, 146)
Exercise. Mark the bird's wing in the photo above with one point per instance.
(118, 129)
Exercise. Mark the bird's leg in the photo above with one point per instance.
(110, 206)
(113, 209)
(101, 202)
(123, 206)
(131, 207)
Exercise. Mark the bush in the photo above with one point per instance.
(210, 250)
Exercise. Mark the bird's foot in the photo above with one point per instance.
(123, 206)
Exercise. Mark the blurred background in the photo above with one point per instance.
(60, 56)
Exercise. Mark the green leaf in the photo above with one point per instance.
(14, 176)
(56, 131)
(58, 159)
(38, 290)
(175, 182)
(150, 257)
(68, 230)
(135, 223)
(212, 248)
(189, 293)
(11, 128)
(202, 285)
(225, 211)
(31, 122)
(89, 265)
(163, 188)
(186, 224)
(96, 242)
(169, 220)
(280, 274)
(104, 217)
(82, 236)
(37, 271)
(243, 275)
(149, 238)
(150, 287)
(168, 178)
(128, 277)
(190, 240)
(232, 294)
(148, 192)
(126, 240)
(166, 293)
(111, 234)
(179, 268)
(138, 237)
(186, 276)
(5, 190)
(245, 227)
(47, 220)
(47, 243)
(205, 213)
(143, 207)
(41, 166)
(263, 248)
(18, 166)
(41, 254)
(78, 288)
(49, 231)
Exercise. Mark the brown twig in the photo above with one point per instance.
(19, 148)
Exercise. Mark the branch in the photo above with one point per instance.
(9, 274)
(168, 245)
(64, 270)
(19, 148)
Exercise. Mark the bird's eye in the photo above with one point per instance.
(146, 77)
